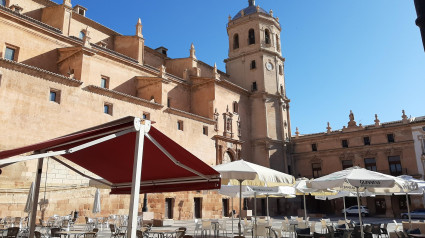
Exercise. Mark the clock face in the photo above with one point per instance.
(269, 66)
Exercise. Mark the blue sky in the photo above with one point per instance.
(366, 56)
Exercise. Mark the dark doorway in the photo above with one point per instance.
(198, 207)
(169, 208)
(380, 206)
(225, 202)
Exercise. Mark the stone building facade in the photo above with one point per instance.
(61, 72)
(393, 148)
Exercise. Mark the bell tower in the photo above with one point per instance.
(255, 63)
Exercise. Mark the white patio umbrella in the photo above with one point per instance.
(28, 204)
(361, 179)
(96, 202)
(241, 172)
(417, 188)
(343, 194)
(256, 191)
(302, 188)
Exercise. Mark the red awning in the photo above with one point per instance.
(113, 159)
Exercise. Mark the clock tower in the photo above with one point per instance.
(255, 63)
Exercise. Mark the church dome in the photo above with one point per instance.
(251, 9)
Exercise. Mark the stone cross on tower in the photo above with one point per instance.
(192, 51)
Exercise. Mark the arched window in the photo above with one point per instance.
(251, 37)
(3, 3)
(227, 158)
(267, 36)
(82, 35)
(235, 41)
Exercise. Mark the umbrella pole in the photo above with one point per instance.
(305, 209)
(255, 208)
(345, 210)
(360, 214)
(255, 214)
(408, 210)
(267, 204)
(232, 214)
(240, 206)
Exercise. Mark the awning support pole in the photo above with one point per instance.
(35, 197)
(135, 185)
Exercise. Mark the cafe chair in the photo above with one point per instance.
(384, 230)
(198, 227)
(180, 232)
(12, 232)
(261, 230)
(115, 232)
(321, 235)
(247, 227)
(206, 227)
(222, 226)
(37, 234)
(313, 226)
(400, 234)
(376, 229)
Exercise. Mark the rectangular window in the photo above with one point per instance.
(347, 164)
(366, 140)
(107, 108)
(235, 107)
(253, 64)
(168, 102)
(317, 170)
(10, 53)
(254, 86)
(314, 147)
(104, 82)
(395, 165)
(390, 138)
(146, 116)
(54, 95)
(205, 130)
(344, 143)
(280, 69)
(180, 125)
(370, 164)
(169, 208)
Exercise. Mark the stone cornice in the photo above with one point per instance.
(29, 19)
(248, 18)
(122, 96)
(227, 139)
(356, 149)
(189, 115)
(226, 83)
(361, 130)
(254, 52)
(37, 72)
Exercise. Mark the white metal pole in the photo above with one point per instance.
(255, 214)
(240, 207)
(267, 204)
(305, 210)
(35, 197)
(360, 214)
(232, 215)
(408, 210)
(135, 185)
(255, 208)
(345, 211)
